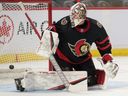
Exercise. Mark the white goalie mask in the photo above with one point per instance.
(78, 14)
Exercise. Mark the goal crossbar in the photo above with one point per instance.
(34, 1)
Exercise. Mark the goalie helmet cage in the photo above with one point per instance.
(12, 5)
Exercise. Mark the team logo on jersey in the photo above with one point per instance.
(64, 21)
(80, 48)
(99, 24)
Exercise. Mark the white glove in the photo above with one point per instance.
(111, 69)
(109, 66)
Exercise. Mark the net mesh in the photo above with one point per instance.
(27, 6)
(21, 43)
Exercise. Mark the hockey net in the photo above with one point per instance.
(18, 41)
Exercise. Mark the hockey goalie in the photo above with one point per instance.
(74, 80)
(70, 51)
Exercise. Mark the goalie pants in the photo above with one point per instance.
(87, 66)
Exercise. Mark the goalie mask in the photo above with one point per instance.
(78, 14)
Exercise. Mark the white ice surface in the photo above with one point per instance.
(116, 87)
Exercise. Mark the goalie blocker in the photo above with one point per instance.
(37, 81)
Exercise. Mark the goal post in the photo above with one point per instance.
(18, 42)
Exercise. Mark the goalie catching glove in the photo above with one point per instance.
(110, 67)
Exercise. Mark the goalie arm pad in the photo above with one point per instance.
(110, 67)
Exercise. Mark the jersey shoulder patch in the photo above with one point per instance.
(64, 21)
(99, 24)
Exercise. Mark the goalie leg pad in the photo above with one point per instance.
(39, 81)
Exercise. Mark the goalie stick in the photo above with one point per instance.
(60, 87)
(52, 59)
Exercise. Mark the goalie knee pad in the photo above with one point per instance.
(101, 77)
(101, 80)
